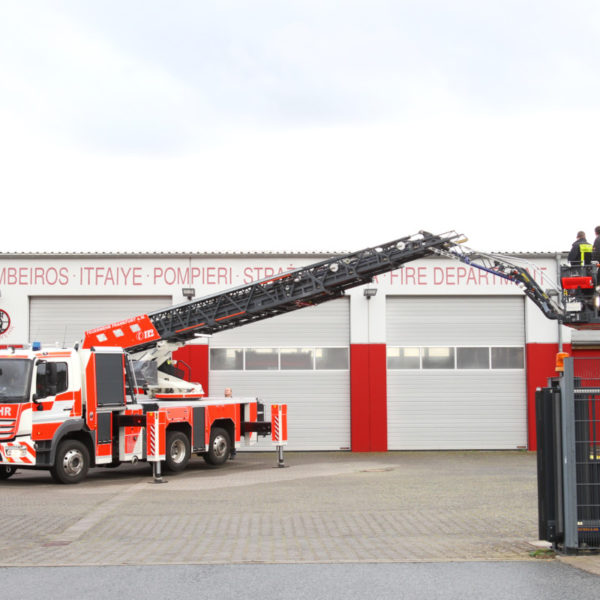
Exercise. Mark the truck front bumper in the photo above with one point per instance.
(19, 452)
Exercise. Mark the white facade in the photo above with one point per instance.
(431, 303)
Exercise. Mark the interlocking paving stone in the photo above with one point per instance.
(326, 507)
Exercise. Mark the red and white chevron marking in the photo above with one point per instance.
(18, 453)
(279, 424)
(152, 441)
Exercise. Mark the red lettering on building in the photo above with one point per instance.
(26, 276)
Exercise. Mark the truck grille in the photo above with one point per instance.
(7, 429)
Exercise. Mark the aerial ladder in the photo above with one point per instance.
(575, 305)
(150, 339)
(306, 286)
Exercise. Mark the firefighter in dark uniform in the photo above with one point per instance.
(596, 249)
(581, 251)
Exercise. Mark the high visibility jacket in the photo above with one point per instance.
(586, 249)
(578, 251)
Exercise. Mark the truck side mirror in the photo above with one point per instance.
(37, 402)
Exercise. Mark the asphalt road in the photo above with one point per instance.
(549, 580)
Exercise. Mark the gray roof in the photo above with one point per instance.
(251, 254)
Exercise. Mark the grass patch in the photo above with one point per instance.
(543, 553)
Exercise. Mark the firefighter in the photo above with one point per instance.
(229, 394)
(581, 251)
(596, 249)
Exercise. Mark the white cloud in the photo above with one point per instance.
(299, 127)
(518, 183)
(75, 85)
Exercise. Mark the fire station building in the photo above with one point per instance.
(436, 355)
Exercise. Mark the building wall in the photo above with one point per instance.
(26, 277)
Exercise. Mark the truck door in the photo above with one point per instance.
(51, 391)
(105, 397)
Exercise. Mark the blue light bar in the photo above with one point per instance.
(36, 346)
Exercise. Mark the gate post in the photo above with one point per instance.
(569, 461)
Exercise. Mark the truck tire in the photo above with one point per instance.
(178, 451)
(7, 471)
(219, 447)
(72, 462)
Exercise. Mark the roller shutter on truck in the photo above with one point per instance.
(456, 373)
(585, 340)
(299, 359)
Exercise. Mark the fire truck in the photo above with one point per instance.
(117, 396)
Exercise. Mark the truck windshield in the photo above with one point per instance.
(15, 379)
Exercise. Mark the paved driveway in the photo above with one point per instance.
(325, 507)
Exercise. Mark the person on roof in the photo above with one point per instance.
(581, 251)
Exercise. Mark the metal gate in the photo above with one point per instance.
(568, 424)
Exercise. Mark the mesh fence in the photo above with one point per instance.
(587, 450)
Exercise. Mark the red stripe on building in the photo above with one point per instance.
(541, 361)
(368, 397)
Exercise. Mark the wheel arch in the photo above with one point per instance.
(228, 425)
(183, 427)
(73, 430)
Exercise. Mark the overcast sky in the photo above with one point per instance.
(297, 125)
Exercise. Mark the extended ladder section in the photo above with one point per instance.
(306, 286)
(574, 303)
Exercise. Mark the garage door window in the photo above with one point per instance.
(284, 359)
(461, 358)
(331, 358)
(438, 358)
(404, 358)
(473, 358)
(507, 358)
(297, 359)
(262, 359)
(226, 359)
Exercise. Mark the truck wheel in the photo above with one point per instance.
(7, 471)
(72, 462)
(177, 454)
(219, 447)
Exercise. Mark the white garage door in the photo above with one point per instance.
(64, 319)
(299, 359)
(456, 373)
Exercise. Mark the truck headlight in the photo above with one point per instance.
(16, 451)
